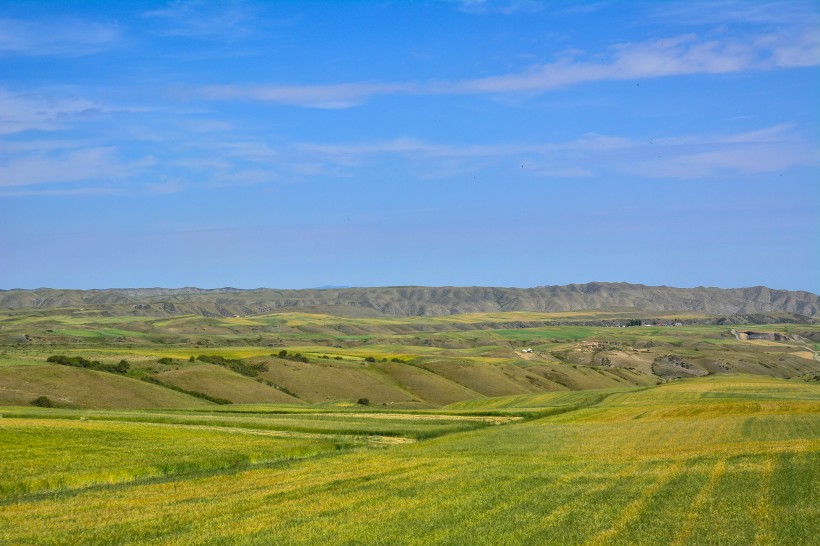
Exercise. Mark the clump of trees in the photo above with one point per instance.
(634, 322)
(238, 366)
(122, 367)
(296, 357)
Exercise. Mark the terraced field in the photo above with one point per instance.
(715, 460)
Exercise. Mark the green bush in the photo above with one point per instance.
(42, 402)
(238, 366)
(79, 362)
(297, 357)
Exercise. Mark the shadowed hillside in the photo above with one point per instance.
(419, 301)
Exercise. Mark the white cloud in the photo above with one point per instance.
(674, 56)
(769, 149)
(70, 166)
(28, 111)
(796, 51)
(204, 19)
(332, 96)
(505, 7)
(101, 163)
(705, 163)
(715, 12)
(59, 37)
(680, 55)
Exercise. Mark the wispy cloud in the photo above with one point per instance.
(712, 12)
(680, 55)
(60, 37)
(506, 7)
(54, 110)
(769, 149)
(204, 19)
(85, 164)
(58, 165)
(332, 96)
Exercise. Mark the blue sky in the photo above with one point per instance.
(503, 143)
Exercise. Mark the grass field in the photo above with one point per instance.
(418, 362)
(714, 460)
(502, 428)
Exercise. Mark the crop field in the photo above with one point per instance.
(713, 460)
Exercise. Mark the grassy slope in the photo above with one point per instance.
(74, 387)
(221, 383)
(325, 381)
(729, 460)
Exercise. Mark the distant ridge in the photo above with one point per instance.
(405, 301)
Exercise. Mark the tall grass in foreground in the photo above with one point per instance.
(713, 461)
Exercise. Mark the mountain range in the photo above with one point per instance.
(406, 301)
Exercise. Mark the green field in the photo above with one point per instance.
(518, 428)
(716, 460)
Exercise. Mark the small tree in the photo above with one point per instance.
(363, 401)
(42, 402)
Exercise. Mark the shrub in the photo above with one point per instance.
(370, 359)
(80, 362)
(42, 402)
(297, 357)
(363, 401)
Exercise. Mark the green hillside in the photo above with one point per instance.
(419, 362)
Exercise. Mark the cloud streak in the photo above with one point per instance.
(58, 37)
(680, 55)
(203, 19)
(99, 165)
(686, 157)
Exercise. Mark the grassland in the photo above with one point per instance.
(713, 460)
(416, 362)
(495, 428)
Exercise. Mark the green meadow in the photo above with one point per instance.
(716, 460)
(516, 428)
